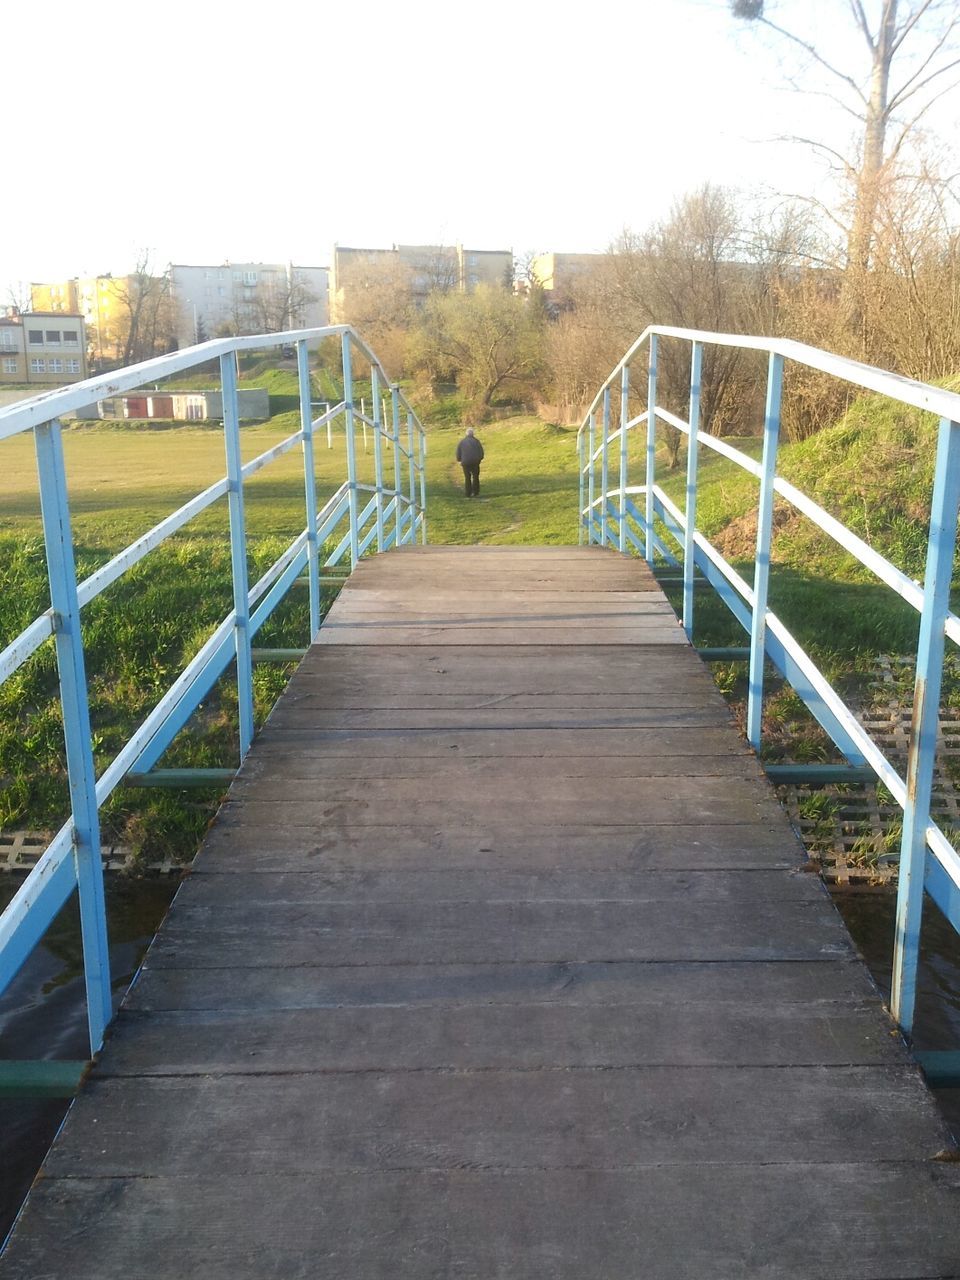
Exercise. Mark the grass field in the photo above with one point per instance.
(872, 471)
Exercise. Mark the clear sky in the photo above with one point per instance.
(207, 131)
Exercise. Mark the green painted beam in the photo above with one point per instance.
(819, 773)
(940, 1066)
(277, 655)
(54, 1079)
(181, 778)
(709, 654)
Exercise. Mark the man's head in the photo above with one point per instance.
(469, 431)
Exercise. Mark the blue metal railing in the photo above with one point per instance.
(611, 517)
(391, 514)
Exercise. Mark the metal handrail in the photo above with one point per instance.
(397, 508)
(609, 516)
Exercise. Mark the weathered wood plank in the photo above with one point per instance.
(422, 1120)
(500, 804)
(479, 1037)
(261, 933)
(500, 716)
(816, 987)
(310, 762)
(725, 1222)
(575, 750)
(640, 631)
(284, 844)
(451, 885)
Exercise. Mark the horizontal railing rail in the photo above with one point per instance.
(394, 514)
(610, 516)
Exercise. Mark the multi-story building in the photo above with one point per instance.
(55, 297)
(484, 266)
(557, 272)
(421, 268)
(111, 306)
(46, 348)
(246, 297)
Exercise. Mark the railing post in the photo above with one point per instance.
(651, 441)
(761, 576)
(580, 488)
(591, 476)
(605, 466)
(351, 449)
(397, 465)
(238, 548)
(413, 477)
(690, 512)
(923, 731)
(309, 485)
(422, 456)
(377, 452)
(624, 418)
(81, 768)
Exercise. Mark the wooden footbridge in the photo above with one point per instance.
(499, 961)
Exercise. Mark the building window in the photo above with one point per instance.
(474, 278)
(7, 339)
(249, 277)
(10, 365)
(56, 366)
(53, 337)
(472, 260)
(38, 366)
(70, 338)
(35, 337)
(73, 366)
(238, 276)
(221, 291)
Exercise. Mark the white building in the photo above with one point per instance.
(246, 297)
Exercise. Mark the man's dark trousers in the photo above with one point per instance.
(471, 479)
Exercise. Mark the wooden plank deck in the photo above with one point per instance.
(498, 963)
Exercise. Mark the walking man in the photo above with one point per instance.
(470, 455)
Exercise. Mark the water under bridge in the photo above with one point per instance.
(501, 959)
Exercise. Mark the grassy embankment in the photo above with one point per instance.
(872, 471)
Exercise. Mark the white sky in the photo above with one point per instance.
(206, 131)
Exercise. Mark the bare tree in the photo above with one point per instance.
(145, 325)
(910, 53)
(434, 269)
(279, 303)
(18, 297)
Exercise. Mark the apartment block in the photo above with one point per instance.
(42, 348)
(420, 267)
(246, 297)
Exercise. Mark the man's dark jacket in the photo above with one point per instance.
(469, 451)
